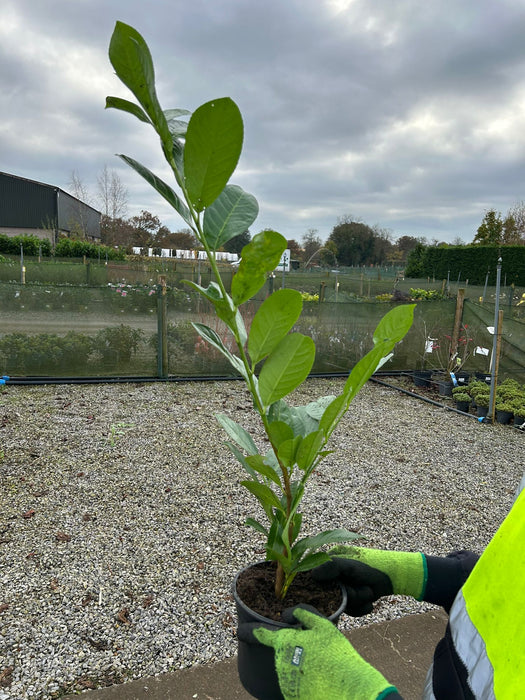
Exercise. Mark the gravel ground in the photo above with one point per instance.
(121, 521)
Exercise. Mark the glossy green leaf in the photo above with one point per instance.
(213, 146)
(242, 459)
(390, 330)
(287, 451)
(323, 538)
(256, 526)
(130, 57)
(263, 493)
(274, 319)
(260, 256)
(237, 433)
(232, 213)
(257, 463)
(309, 449)
(127, 106)
(310, 562)
(214, 339)
(395, 324)
(162, 188)
(286, 368)
(278, 432)
(223, 305)
(176, 126)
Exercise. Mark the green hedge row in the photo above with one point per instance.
(32, 245)
(70, 248)
(65, 248)
(467, 262)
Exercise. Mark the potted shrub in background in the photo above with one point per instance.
(504, 412)
(202, 150)
(463, 400)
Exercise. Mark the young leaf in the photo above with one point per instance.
(395, 324)
(286, 368)
(263, 493)
(323, 538)
(241, 436)
(308, 449)
(232, 213)
(242, 459)
(176, 126)
(214, 339)
(256, 526)
(257, 464)
(260, 256)
(127, 106)
(310, 562)
(274, 319)
(162, 188)
(213, 146)
(278, 432)
(130, 57)
(288, 450)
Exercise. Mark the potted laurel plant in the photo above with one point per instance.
(202, 150)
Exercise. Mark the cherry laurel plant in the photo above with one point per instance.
(202, 149)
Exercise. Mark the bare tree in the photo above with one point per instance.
(79, 190)
(517, 213)
(112, 194)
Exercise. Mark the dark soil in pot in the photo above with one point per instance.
(255, 587)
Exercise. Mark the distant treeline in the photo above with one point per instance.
(470, 263)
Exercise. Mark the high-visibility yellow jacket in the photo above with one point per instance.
(483, 652)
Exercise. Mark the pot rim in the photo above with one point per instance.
(266, 620)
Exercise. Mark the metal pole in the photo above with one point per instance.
(162, 328)
(485, 287)
(494, 343)
(22, 268)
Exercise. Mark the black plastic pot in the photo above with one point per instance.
(463, 406)
(422, 377)
(503, 417)
(482, 411)
(444, 387)
(255, 662)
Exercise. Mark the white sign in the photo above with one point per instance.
(284, 262)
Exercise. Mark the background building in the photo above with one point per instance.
(29, 207)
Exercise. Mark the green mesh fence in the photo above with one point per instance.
(112, 330)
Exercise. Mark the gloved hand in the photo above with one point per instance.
(369, 574)
(317, 661)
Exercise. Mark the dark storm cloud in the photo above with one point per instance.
(408, 115)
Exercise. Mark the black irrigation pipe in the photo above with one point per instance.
(422, 398)
(36, 381)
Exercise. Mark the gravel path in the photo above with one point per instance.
(121, 522)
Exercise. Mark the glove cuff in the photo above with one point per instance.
(406, 570)
(387, 691)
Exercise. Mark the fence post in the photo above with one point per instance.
(162, 328)
(457, 322)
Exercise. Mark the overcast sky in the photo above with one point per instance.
(404, 114)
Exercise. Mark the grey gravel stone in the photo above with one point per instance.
(122, 517)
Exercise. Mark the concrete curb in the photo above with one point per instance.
(401, 649)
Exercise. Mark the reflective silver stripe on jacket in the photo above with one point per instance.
(470, 648)
(428, 692)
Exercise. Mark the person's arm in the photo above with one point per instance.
(446, 575)
(369, 574)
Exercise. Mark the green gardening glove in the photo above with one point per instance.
(406, 571)
(319, 662)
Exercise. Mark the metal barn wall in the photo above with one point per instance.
(26, 204)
